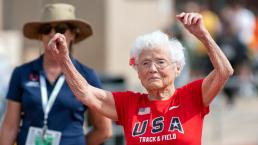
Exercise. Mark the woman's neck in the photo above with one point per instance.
(51, 68)
(162, 94)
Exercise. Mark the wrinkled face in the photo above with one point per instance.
(155, 69)
(47, 32)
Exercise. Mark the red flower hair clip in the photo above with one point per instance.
(132, 61)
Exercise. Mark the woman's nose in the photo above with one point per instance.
(153, 67)
(52, 32)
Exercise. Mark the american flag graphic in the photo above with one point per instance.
(144, 111)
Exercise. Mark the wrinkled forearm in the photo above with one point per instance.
(96, 99)
(214, 82)
(76, 82)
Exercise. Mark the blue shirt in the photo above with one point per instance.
(67, 113)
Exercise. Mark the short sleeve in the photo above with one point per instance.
(195, 88)
(15, 88)
(88, 73)
(122, 102)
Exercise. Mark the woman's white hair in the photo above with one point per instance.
(161, 40)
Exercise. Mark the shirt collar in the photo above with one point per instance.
(38, 63)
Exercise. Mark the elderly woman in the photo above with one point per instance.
(164, 115)
(41, 108)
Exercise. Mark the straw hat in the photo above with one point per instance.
(56, 13)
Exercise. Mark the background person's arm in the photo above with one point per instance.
(11, 123)
(102, 128)
(222, 69)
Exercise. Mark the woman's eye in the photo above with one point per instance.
(145, 63)
(161, 62)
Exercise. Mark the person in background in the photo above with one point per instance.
(164, 115)
(242, 21)
(41, 108)
(239, 24)
(5, 70)
(237, 54)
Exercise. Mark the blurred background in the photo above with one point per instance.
(233, 119)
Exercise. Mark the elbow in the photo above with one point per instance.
(82, 96)
(230, 71)
(227, 72)
(108, 134)
(105, 134)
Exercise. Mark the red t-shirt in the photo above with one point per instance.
(176, 121)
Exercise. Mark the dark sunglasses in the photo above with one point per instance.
(59, 28)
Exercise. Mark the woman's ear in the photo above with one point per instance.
(73, 36)
(178, 70)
